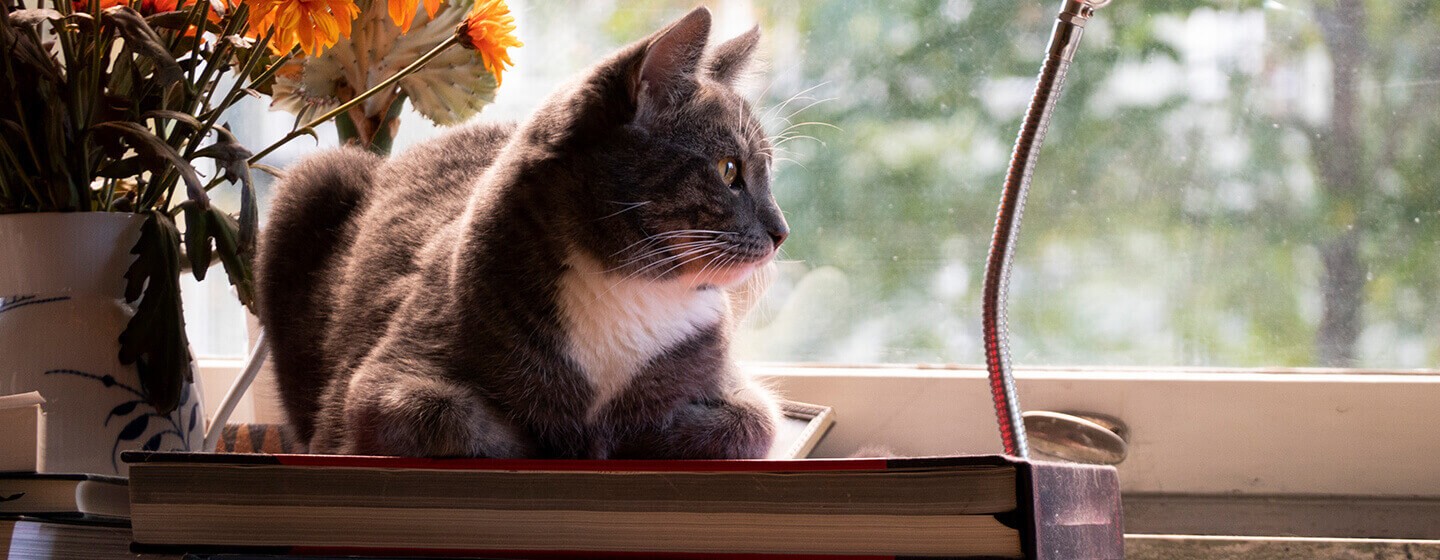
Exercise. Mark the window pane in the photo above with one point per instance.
(1248, 185)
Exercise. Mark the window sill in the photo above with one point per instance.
(1215, 432)
(1209, 432)
(1182, 547)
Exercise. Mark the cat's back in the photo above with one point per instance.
(440, 170)
(415, 195)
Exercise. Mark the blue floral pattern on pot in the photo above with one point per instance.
(100, 407)
(13, 302)
(140, 419)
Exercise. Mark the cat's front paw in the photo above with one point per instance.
(425, 417)
(739, 426)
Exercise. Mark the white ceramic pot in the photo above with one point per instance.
(62, 310)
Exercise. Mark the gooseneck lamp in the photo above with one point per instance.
(1064, 38)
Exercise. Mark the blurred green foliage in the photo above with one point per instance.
(1180, 210)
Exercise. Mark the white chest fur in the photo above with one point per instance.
(614, 325)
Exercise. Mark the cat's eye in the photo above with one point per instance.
(729, 170)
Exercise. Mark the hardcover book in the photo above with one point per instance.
(29, 539)
(64, 496)
(974, 506)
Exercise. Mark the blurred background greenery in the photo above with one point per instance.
(1237, 184)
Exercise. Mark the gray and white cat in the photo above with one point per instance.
(555, 288)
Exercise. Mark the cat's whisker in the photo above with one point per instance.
(782, 105)
(716, 270)
(812, 104)
(628, 207)
(699, 245)
(782, 257)
(701, 252)
(669, 235)
(772, 83)
(809, 123)
(727, 262)
(700, 274)
(773, 113)
(681, 255)
(802, 166)
(809, 89)
(627, 278)
(799, 137)
(685, 246)
(657, 247)
(687, 261)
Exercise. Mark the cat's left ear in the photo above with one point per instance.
(729, 61)
(667, 72)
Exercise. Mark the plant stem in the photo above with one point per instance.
(270, 72)
(382, 86)
(230, 98)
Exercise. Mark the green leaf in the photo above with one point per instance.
(179, 20)
(197, 238)
(35, 16)
(237, 263)
(128, 167)
(233, 161)
(177, 116)
(28, 55)
(142, 38)
(154, 340)
(157, 154)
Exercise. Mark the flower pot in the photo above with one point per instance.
(62, 309)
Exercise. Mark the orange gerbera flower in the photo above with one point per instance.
(84, 5)
(490, 29)
(315, 25)
(403, 11)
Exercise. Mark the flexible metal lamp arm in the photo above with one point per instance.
(1064, 38)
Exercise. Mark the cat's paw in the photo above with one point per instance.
(739, 426)
(426, 417)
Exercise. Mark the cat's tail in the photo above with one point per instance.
(302, 250)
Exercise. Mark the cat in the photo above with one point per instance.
(555, 288)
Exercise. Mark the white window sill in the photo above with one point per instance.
(1201, 432)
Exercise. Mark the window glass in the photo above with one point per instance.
(1248, 184)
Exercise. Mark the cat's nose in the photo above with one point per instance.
(779, 236)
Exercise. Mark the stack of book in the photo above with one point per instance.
(46, 516)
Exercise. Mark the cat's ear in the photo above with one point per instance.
(729, 61)
(667, 69)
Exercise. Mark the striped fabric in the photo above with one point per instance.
(256, 438)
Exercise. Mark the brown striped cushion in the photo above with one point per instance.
(257, 438)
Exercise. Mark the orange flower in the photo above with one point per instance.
(315, 25)
(490, 29)
(84, 5)
(403, 11)
(159, 6)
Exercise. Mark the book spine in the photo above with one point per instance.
(361, 553)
